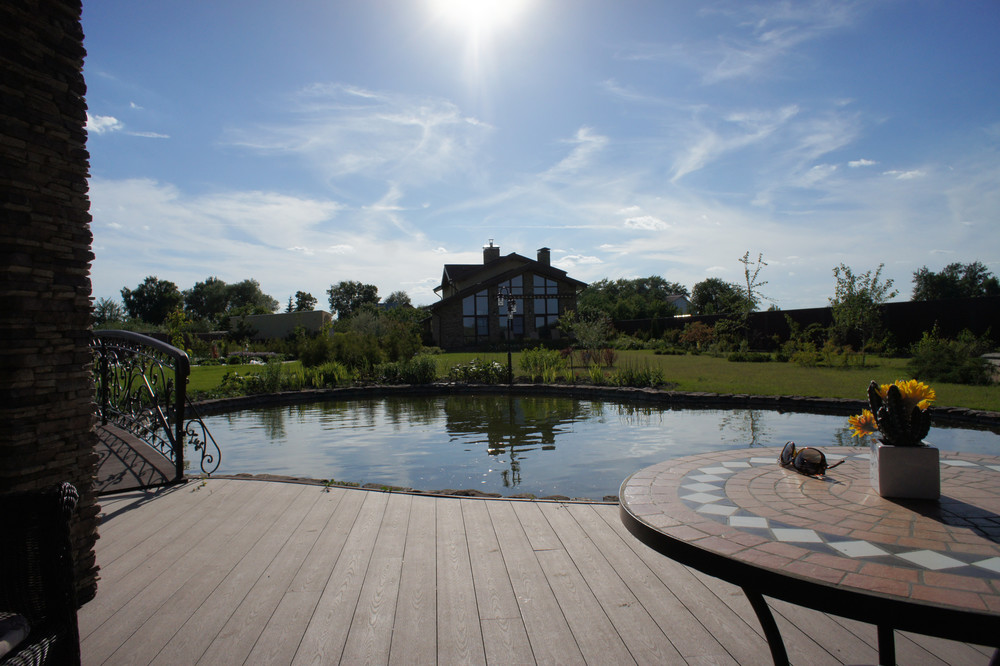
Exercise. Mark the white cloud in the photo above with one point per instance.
(854, 164)
(905, 175)
(646, 223)
(103, 124)
(586, 143)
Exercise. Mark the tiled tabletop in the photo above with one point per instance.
(836, 529)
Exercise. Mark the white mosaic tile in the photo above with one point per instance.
(764, 461)
(835, 456)
(863, 456)
(958, 463)
(857, 548)
(995, 468)
(736, 465)
(706, 478)
(748, 521)
(799, 535)
(717, 509)
(715, 470)
(701, 487)
(701, 498)
(993, 564)
(928, 559)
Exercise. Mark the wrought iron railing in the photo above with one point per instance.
(142, 388)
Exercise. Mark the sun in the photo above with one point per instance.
(478, 15)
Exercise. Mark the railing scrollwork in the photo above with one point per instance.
(142, 388)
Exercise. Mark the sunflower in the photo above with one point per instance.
(914, 393)
(863, 424)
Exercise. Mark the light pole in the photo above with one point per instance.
(505, 297)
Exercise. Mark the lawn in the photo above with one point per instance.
(718, 375)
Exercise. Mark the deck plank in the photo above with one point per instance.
(460, 637)
(414, 632)
(241, 571)
(325, 636)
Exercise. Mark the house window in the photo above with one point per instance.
(516, 288)
(476, 317)
(546, 293)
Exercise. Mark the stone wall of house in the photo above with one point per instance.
(46, 386)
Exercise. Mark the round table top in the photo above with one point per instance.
(835, 530)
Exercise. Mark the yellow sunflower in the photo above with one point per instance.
(863, 424)
(916, 394)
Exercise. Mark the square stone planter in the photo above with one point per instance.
(905, 472)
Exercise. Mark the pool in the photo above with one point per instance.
(511, 445)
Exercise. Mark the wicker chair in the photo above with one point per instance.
(37, 586)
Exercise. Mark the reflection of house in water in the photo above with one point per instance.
(510, 425)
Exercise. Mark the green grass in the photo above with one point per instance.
(717, 375)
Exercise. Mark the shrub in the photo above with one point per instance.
(749, 357)
(417, 370)
(638, 376)
(596, 373)
(234, 360)
(959, 361)
(696, 335)
(329, 374)
(478, 371)
(541, 363)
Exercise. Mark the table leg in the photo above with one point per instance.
(886, 646)
(778, 654)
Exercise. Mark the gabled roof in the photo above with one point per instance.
(466, 274)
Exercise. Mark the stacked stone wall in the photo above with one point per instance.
(46, 386)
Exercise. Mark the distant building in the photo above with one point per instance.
(468, 315)
(681, 302)
(282, 325)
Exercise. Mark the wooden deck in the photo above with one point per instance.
(244, 571)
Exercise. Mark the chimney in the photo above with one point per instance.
(543, 256)
(491, 252)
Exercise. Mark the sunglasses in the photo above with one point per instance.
(806, 460)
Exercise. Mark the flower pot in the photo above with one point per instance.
(905, 472)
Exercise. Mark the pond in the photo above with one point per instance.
(511, 445)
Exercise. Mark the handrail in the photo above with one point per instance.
(142, 388)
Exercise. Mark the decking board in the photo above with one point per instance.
(241, 571)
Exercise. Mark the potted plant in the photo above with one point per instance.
(903, 466)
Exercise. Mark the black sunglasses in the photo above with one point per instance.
(806, 460)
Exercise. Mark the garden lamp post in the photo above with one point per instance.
(505, 297)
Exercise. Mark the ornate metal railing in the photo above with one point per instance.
(142, 388)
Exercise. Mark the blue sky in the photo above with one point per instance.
(308, 142)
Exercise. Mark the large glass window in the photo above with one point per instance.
(546, 293)
(476, 317)
(515, 287)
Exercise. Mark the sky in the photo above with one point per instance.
(308, 142)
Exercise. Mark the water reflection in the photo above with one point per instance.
(511, 444)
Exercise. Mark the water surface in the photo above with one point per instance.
(539, 445)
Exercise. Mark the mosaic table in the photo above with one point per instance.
(831, 543)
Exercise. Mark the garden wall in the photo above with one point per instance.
(46, 386)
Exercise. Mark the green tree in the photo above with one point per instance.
(398, 299)
(640, 298)
(857, 305)
(247, 297)
(304, 302)
(716, 296)
(107, 310)
(152, 300)
(208, 299)
(348, 296)
(955, 281)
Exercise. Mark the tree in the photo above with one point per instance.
(152, 300)
(347, 296)
(641, 298)
(857, 305)
(398, 299)
(716, 296)
(955, 281)
(107, 310)
(208, 299)
(247, 298)
(304, 302)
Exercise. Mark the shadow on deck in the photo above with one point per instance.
(125, 462)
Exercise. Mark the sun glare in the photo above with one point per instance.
(478, 15)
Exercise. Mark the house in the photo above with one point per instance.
(681, 302)
(469, 314)
(283, 324)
